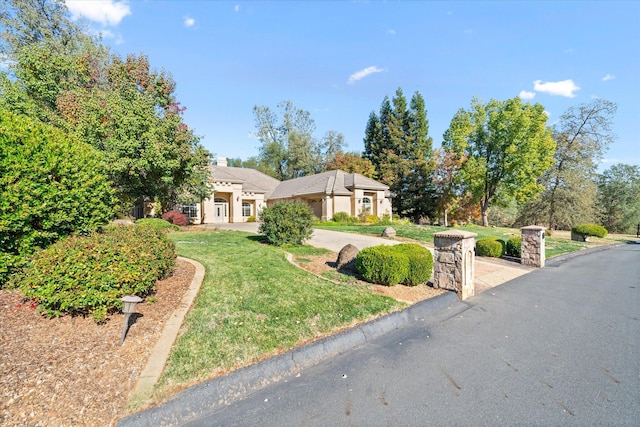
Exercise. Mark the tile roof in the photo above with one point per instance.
(334, 182)
(252, 181)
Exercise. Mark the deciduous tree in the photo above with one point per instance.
(619, 198)
(352, 163)
(506, 147)
(582, 135)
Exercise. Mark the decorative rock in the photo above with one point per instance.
(122, 222)
(388, 232)
(347, 256)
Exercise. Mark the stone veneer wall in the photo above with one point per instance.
(533, 247)
(453, 262)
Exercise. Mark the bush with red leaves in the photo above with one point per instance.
(175, 217)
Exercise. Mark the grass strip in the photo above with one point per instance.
(559, 243)
(253, 304)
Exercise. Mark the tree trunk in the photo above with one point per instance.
(446, 220)
(484, 208)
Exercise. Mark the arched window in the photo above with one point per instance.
(366, 205)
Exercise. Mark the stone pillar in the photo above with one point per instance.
(532, 246)
(453, 262)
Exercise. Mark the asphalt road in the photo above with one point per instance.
(558, 346)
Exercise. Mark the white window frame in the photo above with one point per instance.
(249, 209)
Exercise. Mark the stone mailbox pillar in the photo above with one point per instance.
(453, 262)
(532, 246)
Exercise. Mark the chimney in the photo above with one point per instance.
(221, 161)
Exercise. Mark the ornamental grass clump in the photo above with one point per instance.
(87, 275)
(490, 247)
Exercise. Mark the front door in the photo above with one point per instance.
(220, 211)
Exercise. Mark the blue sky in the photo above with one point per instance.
(339, 59)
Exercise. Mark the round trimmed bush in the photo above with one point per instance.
(594, 230)
(420, 263)
(287, 223)
(382, 265)
(514, 247)
(87, 275)
(489, 247)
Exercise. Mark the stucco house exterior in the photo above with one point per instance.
(241, 193)
(328, 193)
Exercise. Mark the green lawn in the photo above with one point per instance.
(559, 243)
(254, 303)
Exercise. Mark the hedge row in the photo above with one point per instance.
(406, 263)
(87, 275)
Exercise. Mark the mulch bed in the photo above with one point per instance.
(70, 371)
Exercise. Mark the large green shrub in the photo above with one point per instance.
(420, 263)
(287, 223)
(51, 185)
(590, 230)
(87, 275)
(490, 247)
(382, 265)
(514, 247)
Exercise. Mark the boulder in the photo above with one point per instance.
(388, 232)
(347, 257)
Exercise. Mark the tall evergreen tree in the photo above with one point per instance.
(398, 145)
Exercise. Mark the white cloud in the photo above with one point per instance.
(608, 77)
(391, 31)
(237, 8)
(359, 75)
(106, 12)
(189, 22)
(562, 88)
(526, 95)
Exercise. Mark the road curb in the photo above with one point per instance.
(214, 394)
(160, 353)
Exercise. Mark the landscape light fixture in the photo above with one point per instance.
(128, 307)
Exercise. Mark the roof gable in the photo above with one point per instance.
(252, 181)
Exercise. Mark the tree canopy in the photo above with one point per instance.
(397, 143)
(619, 198)
(62, 76)
(505, 146)
(289, 149)
(582, 135)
